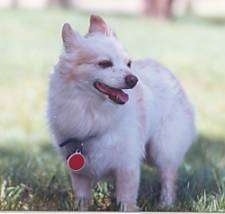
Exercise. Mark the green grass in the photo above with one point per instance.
(32, 176)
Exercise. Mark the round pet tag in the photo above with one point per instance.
(76, 161)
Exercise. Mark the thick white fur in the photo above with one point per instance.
(158, 113)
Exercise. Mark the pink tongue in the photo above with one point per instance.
(119, 97)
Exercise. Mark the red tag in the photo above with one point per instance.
(76, 161)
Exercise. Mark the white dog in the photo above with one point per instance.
(107, 112)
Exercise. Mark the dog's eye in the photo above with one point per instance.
(105, 64)
(129, 64)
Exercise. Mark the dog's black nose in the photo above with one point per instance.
(131, 80)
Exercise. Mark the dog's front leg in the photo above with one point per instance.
(82, 189)
(127, 184)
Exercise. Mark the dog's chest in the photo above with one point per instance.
(108, 153)
(73, 118)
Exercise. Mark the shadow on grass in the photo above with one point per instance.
(201, 173)
(41, 171)
(38, 170)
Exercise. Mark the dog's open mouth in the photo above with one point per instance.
(115, 94)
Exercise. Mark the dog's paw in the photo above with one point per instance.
(83, 204)
(126, 207)
(166, 203)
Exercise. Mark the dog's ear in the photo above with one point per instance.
(98, 25)
(70, 37)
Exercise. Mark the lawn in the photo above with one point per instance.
(32, 176)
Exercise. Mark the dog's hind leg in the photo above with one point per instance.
(168, 175)
(82, 189)
(168, 147)
(168, 187)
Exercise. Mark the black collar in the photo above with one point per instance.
(76, 143)
(73, 145)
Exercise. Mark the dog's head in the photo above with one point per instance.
(97, 62)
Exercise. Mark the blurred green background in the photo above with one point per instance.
(32, 175)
